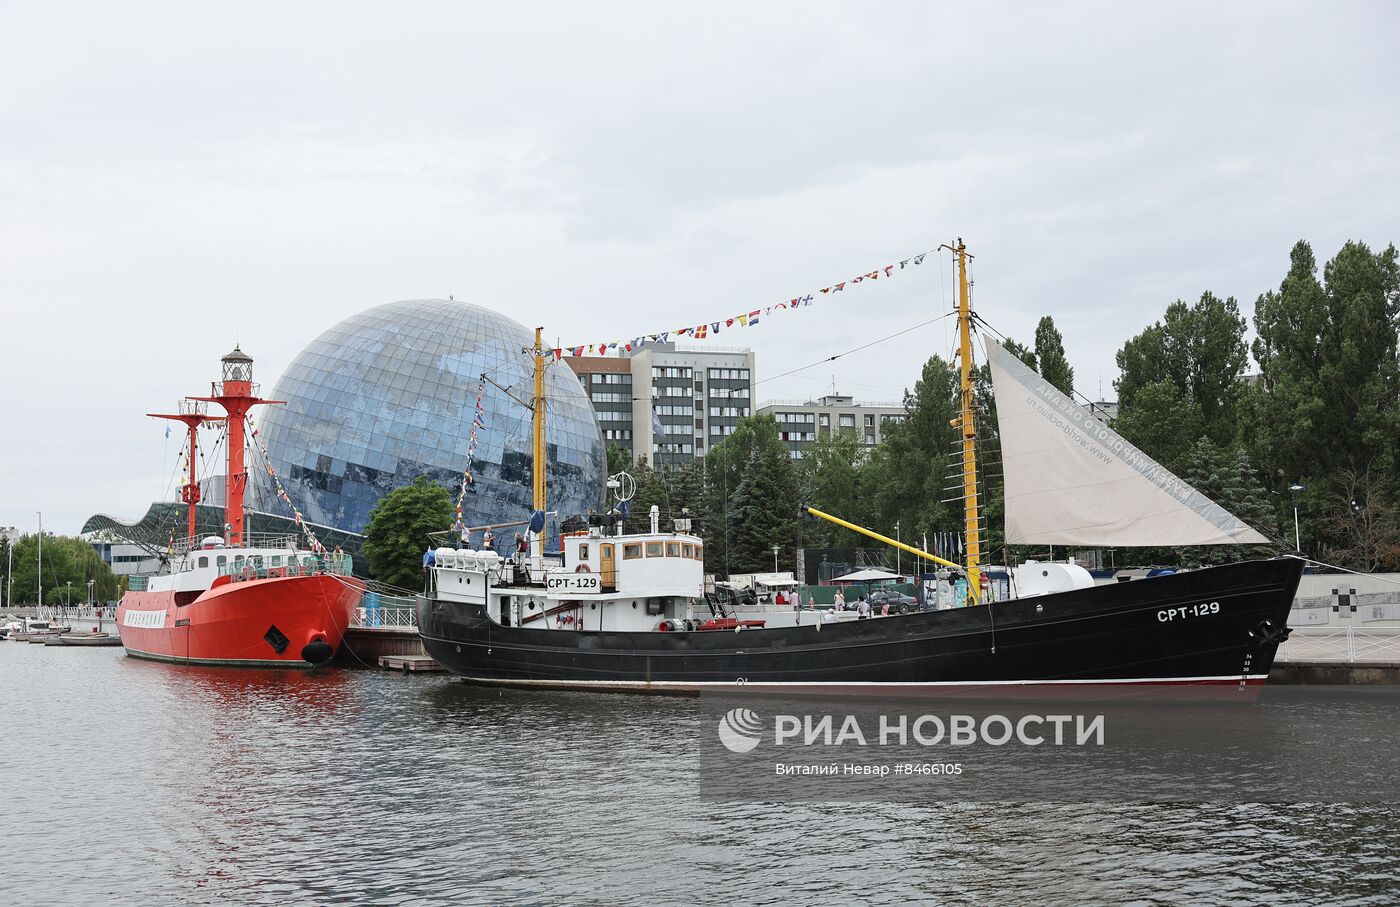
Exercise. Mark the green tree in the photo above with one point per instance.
(725, 468)
(1227, 478)
(1050, 354)
(1198, 351)
(832, 478)
(1161, 421)
(617, 459)
(397, 533)
(69, 562)
(764, 511)
(1025, 354)
(1327, 353)
(904, 478)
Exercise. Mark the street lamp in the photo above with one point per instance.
(897, 551)
(1297, 539)
(90, 582)
(9, 533)
(775, 558)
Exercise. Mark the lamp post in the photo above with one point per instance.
(897, 551)
(1297, 538)
(9, 533)
(775, 558)
(90, 582)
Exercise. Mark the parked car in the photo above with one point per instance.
(899, 602)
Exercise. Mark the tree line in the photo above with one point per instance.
(69, 563)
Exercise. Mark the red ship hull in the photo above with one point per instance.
(274, 622)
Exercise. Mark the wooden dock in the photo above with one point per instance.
(410, 664)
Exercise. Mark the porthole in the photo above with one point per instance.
(1045, 573)
(593, 606)
(1039, 609)
(634, 606)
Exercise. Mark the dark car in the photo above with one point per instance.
(899, 602)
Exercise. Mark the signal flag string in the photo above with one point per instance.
(315, 543)
(478, 422)
(742, 319)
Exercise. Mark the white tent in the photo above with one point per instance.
(865, 576)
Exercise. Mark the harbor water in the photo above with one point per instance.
(130, 782)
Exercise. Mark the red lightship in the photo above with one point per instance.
(241, 600)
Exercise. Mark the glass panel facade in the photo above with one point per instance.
(387, 395)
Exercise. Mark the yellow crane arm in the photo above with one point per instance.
(882, 538)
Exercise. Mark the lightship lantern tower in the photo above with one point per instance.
(236, 394)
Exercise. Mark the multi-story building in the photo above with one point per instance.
(800, 424)
(608, 383)
(683, 400)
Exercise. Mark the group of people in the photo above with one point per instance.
(862, 607)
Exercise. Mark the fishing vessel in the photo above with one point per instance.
(244, 600)
(616, 611)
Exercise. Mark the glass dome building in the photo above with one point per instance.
(388, 395)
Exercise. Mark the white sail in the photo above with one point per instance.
(1072, 480)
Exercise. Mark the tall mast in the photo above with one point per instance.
(41, 558)
(236, 394)
(971, 526)
(538, 408)
(193, 415)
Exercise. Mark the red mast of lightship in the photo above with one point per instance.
(236, 394)
(193, 415)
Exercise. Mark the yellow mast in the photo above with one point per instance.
(538, 408)
(971, 526)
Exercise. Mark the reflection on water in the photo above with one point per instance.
(136, 782)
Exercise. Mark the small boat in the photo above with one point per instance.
(90, 639)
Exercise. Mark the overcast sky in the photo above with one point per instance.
(175, 178)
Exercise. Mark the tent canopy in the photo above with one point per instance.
(865, 576)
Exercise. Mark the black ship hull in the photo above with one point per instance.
(1219, 626)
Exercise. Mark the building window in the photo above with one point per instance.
(869, 420)
(826, 420)
(847, 420)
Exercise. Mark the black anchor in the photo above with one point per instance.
(1267, 634)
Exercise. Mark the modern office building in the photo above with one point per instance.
(683, 399)
(801, 423)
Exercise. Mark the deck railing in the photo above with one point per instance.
(380, 611)
(304, 565)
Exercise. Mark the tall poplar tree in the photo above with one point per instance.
(1050, 355)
